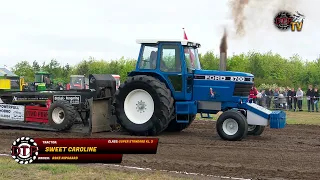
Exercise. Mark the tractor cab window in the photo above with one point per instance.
(41, 77)
(192, 58)
(149, 57)
(170, 58)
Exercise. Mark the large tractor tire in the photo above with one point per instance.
(177, 127)
(61, 115)
(255, 130)
(143, 105)
(232, 125)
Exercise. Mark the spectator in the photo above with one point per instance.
(60, 87)
(26, 87)
(268, 97)
(283, 99)
(294, 99)
(310, 95)
(316, 99)
(299, 96)
(262, 98)
(289, 98)
(47, 81)
(253, 94)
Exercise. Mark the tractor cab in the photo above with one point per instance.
(77, 82)
(173, 61)
(39, 82)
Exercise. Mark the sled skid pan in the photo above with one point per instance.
(101, 118)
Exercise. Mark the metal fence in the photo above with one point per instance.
(288, 103)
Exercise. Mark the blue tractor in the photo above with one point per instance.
(168, 88)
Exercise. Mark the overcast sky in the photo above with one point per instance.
(71, 31)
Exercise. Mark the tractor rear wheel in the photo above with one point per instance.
(177, 127)
(61, 115)
(143, 105)
(255, 130)
(232, 125)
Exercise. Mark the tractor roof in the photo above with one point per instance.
(42, 72)
(4, 71)
(156, 41)
(77, 76)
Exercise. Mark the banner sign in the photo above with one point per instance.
(12, 112)
(73, 99)
(72, 150)
(93, 145)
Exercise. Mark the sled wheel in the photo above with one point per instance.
(232, 125)
(61, 115)
(255, 130)
(143, 105)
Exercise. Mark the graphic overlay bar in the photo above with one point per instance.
(79, 158)
(97, 145)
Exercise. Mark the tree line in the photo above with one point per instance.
(269, 69)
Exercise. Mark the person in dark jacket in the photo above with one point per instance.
(269, 94)
(276, 98)
(310, 97)
(26, 87)
(60, 87)
(316, 99)
(289, 98)
(294, 99)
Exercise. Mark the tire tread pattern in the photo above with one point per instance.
(159, 123)
(70, 115)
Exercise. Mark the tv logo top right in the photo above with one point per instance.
(285, 20)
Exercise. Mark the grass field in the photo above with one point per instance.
(9, 169)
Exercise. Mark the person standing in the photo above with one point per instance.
(294, 99)
(299, 96)
(276, 98)
(60, 87)
(316, 99)
(253, 94)
(289, 98)
(268, 97)
(47, 81)
(310, 95)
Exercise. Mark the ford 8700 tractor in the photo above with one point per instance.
(168, 88)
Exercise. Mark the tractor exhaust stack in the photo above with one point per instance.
(223, 52)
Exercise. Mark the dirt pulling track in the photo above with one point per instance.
(290, 153)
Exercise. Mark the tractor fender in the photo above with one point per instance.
(155, 75)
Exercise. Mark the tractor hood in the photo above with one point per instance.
(221, 86)
(224, 75)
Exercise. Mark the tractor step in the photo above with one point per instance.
(186, 107)
(183, 121)
(206, 117)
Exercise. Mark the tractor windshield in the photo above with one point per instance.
(77, 83)
(192, 58)
(40, 77)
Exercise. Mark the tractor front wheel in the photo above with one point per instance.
(232, 125)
